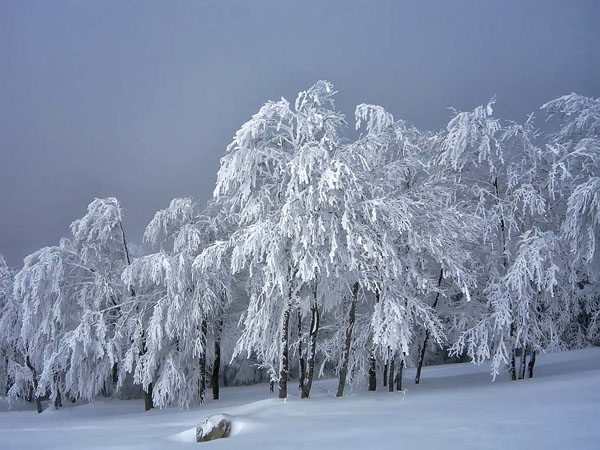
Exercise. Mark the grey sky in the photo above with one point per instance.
(139, 99)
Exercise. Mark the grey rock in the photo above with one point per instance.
(214, 427)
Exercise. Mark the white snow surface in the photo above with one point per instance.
(455, 406)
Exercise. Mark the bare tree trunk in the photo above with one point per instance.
(427, 334)
(301, 361)
(391, 375)
(202, 380)
(385, 374)
(312, 354)
(58, 398)
(348, 342)
(214, 381)
(513, 357)
(148, 402)
(373, 359)
(115, 375)
(523, 362)
(284, 364)
(34, 381)
(531, 364)
(399, 375)
(513, 365)
(372, 372)
(421, 357)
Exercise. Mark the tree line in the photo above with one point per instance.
(322, 254)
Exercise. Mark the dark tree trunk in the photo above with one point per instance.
(373, 360)
(399, 376)
(58, 398)
(531, 364)
(34, 381)
(348, 342)
(513, 356)
(148, 402)
(301, 360)
(391, 375)
(202, 380)
(214, 381)
(513, 365)
(312, 352)
(427, 334)
(421, 358)
(385, 374)
(115, 374)
(284, 366)
(372, 372)
(523, 363)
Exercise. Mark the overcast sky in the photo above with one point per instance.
(138, 99)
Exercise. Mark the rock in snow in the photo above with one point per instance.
(214, 427)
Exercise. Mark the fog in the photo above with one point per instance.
(138, 100)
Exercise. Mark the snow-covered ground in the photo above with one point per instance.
(456, 406)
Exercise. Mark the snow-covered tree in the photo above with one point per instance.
(70, 297)
(92, 350)
(268, 178)
(526, 275)
(42, 288)
(9, 320)
(168, 325)
(576, 169)
(575, 177)
(411, 213)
